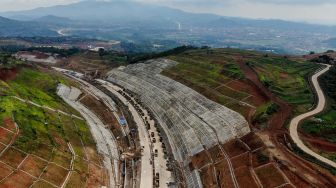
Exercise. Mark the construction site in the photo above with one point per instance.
(157, 132)
(136, 127)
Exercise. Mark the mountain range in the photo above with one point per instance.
(149, 24)
(12, 28)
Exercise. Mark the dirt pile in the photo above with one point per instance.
(8, 74)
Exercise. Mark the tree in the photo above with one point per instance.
(101, 52)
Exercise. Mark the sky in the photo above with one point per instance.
(312, 11)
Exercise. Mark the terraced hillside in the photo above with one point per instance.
(43, 141)
(219, 75)
(277, 88)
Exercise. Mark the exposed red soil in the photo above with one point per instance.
(319, 143)
(260, 157)
(76, 180)
(199, 160)
(18, 180)
(98, 177)
(5, 136)
(2, 147)
(253, 141)
(33, 165)
(55, 174)
(4, 171)
(93, 155)
(234, 148)
(12, 157)
(9, 124)
(241, 161)
(207, 177)
(225, 179)
(8, 74)
(215, 154)
(285, 110)
(314, 174)
(106, 116)
(284, 75)
(270, 176)
(100, 109)
(294, 178)
(245, 178)
(57, 137)
(258, 98)
(44, 151)
(276, 132)
(42, 183)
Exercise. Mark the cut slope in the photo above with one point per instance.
(191, 121)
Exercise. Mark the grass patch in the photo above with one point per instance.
(265, 111)
(42, 132)
(322, 126)
(286, 78)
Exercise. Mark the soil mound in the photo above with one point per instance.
(8, 74)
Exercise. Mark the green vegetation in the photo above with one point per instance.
(7, 61)
(286, 78)
(43, 132)
(136, 57)
(312, 159)
(326, 59)
(207, 70)
(324, 125)
(38, 127)
(325, 130)
(38, 87)
(265, 111)
(59, 51)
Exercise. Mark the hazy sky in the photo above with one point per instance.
(317, 11)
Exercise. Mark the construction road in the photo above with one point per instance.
(146, 175)
(319, 108)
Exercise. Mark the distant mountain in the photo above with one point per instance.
(270, 24)
(115, 12)
(53, 19)
(153, 25)
(331, 42)
(13, 28)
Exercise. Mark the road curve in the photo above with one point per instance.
(319, 108)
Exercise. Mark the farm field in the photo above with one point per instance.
(41, 147)
(279, 89)
(217, 74)
(250, 160)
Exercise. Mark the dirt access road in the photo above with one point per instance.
(319, 108)
(276, 131)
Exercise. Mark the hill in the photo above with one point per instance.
(13, 28)
(148, 25)
(225, 76)
(54, 20)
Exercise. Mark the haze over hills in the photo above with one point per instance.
(12, 28)
(148, 25)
